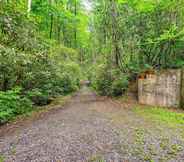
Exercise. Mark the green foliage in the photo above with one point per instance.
(38, 97)
(35, 53)
(103, 82)
(134, 35)
(18, 30)
(109, 82)
(39, 72)
(12, 104)
(120, 85)
(43, 47)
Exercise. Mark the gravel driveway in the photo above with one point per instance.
(91, 128)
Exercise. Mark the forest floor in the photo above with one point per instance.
(91, 128)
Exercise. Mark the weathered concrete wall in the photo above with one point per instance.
(161, 88)
(182, 89)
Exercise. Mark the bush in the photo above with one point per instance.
(38, 97)
(109, 82)
(43, 68)
(120, 85)
(13, 104)
(41, 75)
(104, 83)
(70, 77)
(50, 84)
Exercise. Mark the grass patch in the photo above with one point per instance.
(97, 158)
(161, 115)
(2, 158)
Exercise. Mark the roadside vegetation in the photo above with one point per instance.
(133, 36)
(161, 115)
(47, 47)
(37, 62)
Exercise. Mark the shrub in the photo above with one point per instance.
(109, 82)
(70, 77)
(41, 75)
(43, 68)
(38, 97)
(13, 104)
(49, 84)
(120, 85)
(104, 83)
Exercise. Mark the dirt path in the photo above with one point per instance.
(90, 128)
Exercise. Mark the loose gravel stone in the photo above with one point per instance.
(91, 128)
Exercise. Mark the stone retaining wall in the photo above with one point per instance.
(182, 90)
(164, 88)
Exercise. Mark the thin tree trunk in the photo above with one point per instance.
(29, 6)
(75, 32)
(51, 19)
(51, 26)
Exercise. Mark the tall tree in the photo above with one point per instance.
(29, 6)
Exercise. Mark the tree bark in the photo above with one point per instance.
(75, 32)
(29, 6)
(51, 25)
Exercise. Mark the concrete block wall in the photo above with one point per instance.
(164, 88)
(182, 89)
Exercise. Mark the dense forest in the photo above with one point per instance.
(42, 44)
(131, 36)
(48, 46)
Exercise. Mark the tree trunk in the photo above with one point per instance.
(29, 6)
(51, 19)
(75, 32)
(51, 25)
